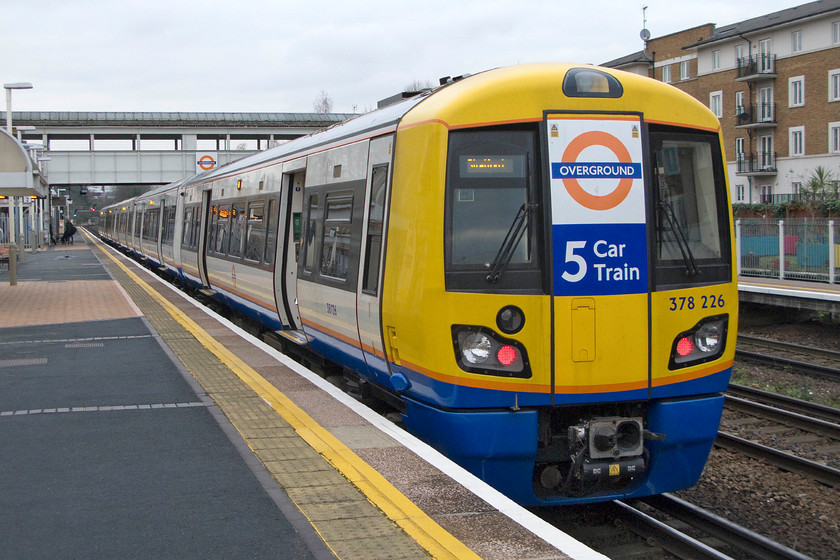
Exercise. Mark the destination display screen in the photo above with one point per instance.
(482, 165)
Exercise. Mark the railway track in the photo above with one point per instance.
(806, 359)
(664, 526)
(797, 415)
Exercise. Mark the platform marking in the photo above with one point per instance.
(23, 362)
(75, 340)
(107, 408)
(393, 503)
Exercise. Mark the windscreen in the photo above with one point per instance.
(492, 222)
(692, 225)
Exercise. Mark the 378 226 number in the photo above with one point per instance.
(703, 302)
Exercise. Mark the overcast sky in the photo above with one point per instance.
(278, 55)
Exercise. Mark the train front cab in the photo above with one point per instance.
(586, 293)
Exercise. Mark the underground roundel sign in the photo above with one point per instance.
(597, 204)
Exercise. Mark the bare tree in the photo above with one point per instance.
(418, 85)
(324, 103)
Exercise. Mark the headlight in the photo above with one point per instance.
(481, 350)
(708, 337)
(476, 348)
(702, 343)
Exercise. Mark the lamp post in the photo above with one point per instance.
(12, 246)
(9, 88)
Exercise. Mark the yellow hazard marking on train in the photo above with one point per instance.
(393, 503)
(615, 470)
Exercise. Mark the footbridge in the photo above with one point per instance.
(152, 148)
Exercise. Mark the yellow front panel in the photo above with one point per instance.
(677, 311)
(602, 343)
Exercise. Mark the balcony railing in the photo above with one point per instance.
(761, 163)
(756, 66)
(756, 115)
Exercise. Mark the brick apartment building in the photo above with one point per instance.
(774, 82)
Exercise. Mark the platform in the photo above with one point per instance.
(796, 294)
(135, 423)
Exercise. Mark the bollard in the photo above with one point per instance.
(12, 264)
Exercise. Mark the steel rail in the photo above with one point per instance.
(811, 369)
(789, 346)
(813, 410)
(786, 417)
(816, 471)
(666, 537)
(736, 536)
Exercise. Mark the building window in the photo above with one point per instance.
(666, 74)
(739, 103)
(834, 85)
(766, 155)
(796, 187)
(739, 52)
(715, 60)
(716, 103)
(835, 32)
(766, 193)
(797, 141)
(765, 51)
(796, 41)
(834, 137)
(739, 148)
(739, 193)
(684, 70)
(796, 91)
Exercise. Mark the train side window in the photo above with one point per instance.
(169, 225)
(150, 224)
(373, 249)
(255, 231)
(187, 228)
(311, 233)
(222, 234)
(237, 229)
(336, 244)
(271, 231)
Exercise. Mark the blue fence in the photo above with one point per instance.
(794, 249)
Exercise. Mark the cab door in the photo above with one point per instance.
(599, 235)
(369, 316)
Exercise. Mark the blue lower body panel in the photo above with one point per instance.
(501, 446)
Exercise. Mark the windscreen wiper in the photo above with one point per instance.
(667, 211)
(511, 241)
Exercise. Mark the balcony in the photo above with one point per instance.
(761, 164)
(758, 115)
(756, 67)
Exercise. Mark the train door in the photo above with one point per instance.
(202, 238)
(328, 267)
(285, 275)
(368, 310)
(600, 257)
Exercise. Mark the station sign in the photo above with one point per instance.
(597, 204)
(205, 161)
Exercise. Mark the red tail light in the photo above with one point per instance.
(506, 355)
(685, 346)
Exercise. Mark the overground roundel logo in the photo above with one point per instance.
(206, 163)
(570, 172)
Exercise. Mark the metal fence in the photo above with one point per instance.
(793, 249)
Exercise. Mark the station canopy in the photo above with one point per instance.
(18, 175)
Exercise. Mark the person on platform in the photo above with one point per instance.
(69, 232)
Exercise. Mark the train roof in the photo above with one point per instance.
(459, 100)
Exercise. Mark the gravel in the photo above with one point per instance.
(789, 508)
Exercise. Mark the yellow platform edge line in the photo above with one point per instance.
(377, 489)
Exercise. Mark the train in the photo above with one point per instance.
(535, 263)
